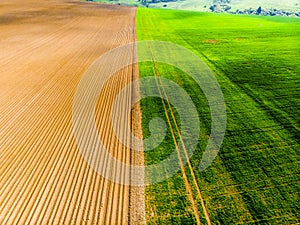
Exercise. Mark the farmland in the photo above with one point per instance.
(255, 177)
(46, 48)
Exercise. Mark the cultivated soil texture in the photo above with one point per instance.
(45, 48)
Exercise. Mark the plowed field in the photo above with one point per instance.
(45, 48)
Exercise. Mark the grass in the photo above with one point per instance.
(255, 177)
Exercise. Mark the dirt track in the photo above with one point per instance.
(45, 48)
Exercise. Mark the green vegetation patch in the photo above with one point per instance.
(255, 177)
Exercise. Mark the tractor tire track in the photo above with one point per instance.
(175, 130)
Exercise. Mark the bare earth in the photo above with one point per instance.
(45, 48)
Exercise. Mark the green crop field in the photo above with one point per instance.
(255, 177)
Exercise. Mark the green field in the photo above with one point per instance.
(255, 177)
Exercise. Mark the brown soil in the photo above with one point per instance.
(46, 46)
(212, 41)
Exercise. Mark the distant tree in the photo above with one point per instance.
(258, 11)
(227, 7)
(212, 8)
